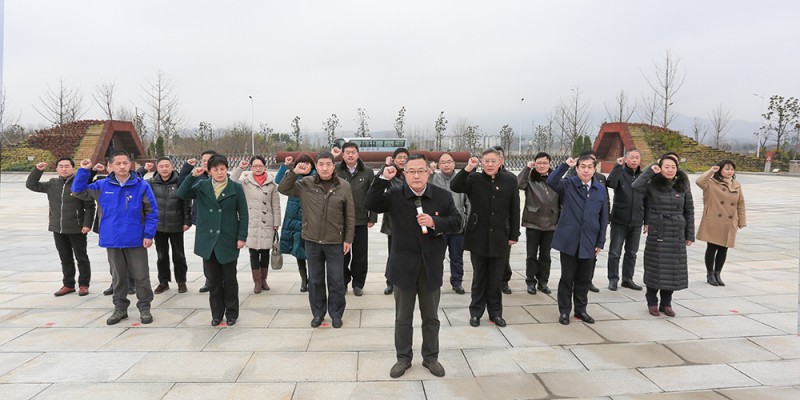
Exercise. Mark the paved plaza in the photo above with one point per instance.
(734, 342)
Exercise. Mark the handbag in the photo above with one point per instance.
(276, 258)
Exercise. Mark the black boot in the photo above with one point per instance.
(303, 279)
(712, 279)
(719, 280)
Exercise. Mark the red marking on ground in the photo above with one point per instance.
(49, 324)
(734, 311)
(136, 324)
(491, 322)
(223, 324)
(325, 324)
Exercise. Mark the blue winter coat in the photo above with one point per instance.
(292, 228)
(128, 213)
(582, 224)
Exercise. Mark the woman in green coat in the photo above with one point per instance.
(221, 232)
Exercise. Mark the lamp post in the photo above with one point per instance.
(758, 142)
(252, 132)
(520, 125)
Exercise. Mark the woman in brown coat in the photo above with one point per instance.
(723, 214)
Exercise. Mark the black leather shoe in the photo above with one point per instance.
(628, 283)
(435, 368)
(506, 289)
(389, 289)
(204, 289)
(358, 291)
(719, 280)
(593, 288)
(459, 289)
(475, 321)
(109, 291)
(499, 321)
(531, 289)
(563, 319)
(337, 323)
(399, 369)
(584, 317)
(316, 322)
(544, 289)
(612, 286)
(231, 322)
(215, 322)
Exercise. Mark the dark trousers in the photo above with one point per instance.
(404, 317)
(629, 236)
(259, 258)
(165, 240)
(455, 251)
(715, 257)
(130, 262)
(223, 293)
(538, 261)
(487, 280)
(576, 275)
(388, 250)
(652, 297)
(355, 262)
(507, 269)
(71, 245)
(325, 261)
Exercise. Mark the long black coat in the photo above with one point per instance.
(669, 215)
(411, 249)
(628, 209)
(494, 217)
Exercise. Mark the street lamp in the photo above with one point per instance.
(520, 124)
(252, 132)
(758, 143)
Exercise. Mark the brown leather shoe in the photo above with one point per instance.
(83, 291)
(182, 287)
(667, 310)
(64, 290)
(162, 286)
(653, 311)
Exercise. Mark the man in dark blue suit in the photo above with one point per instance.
(580, 233)
(420, 214)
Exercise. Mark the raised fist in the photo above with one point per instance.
(86, 163)
(302, 168)
(99, 167)
(570, 162)
(192, 161)
(336, 152)
(621, 160)
(41, 166)
(288, 160)
(531, 164)
(389, 172)
(472, 163)
(389, 160)
(656, 168)
(149, 166)
(715, 168)
(243, 164)
(198, 171)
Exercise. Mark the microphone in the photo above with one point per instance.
(418, 204)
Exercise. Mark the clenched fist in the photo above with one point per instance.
(288, 160)
(570, 162)
(302, 168)
(472, 163)
(389, 172)
(243, 164)
(41, 166)
(336, 152)
(86, 163)
(198, 171)
(150, 167)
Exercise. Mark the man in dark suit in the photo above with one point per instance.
(420, 214)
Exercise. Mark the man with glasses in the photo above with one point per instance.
(455, 241)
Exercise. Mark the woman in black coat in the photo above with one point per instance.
(669, 224)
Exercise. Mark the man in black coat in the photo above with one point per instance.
(627, 218)
(420, 214)
(492, 227)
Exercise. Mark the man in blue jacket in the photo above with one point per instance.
(580, 233)
(128, 215)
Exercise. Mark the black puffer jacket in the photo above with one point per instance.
(359, 181)
(173, 213)
(67, 214)
(669, 211)
(628, 207)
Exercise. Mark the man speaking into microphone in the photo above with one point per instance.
(420, 214)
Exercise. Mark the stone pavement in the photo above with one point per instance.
(734, 342)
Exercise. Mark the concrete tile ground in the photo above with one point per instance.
(733, 342)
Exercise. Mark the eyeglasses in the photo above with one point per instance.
(417, 172)
(257, 166)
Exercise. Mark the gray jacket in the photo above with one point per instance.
(460, 199)
(67, 214)
(541, 202)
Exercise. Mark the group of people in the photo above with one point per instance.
(427, 213)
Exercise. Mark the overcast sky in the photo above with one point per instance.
(472, 59)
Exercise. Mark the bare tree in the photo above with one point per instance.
(649, 110)
(572, 119)
(506, 137)
(104, 97)
(330, 126)
(543, 137)
(296, 131)
(782, 116)
(400, 122)
(668, 81)
(720, 122)
(204, 134)
(472, 135)
(620, 111)
(163, 108)
(440, 126)
(699, 130)
(62, 105)
(362, 130)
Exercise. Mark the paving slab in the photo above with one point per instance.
(772, 373)
(762, 393)
(189, 366)
(161, 339)
(487, 387)
(550, 334)
(375, 366)
(62, 339)
(359, 390)
(253, 339)
(534, 360)
(104, 391)
(697, 377)
(81, 367)
(688, 395)
(783, 346)
(300, 367)
(724, 326)
(21, 391)
(720, 351)
(655, 329)
(234, 391)
(597, 383)
(625, 356)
